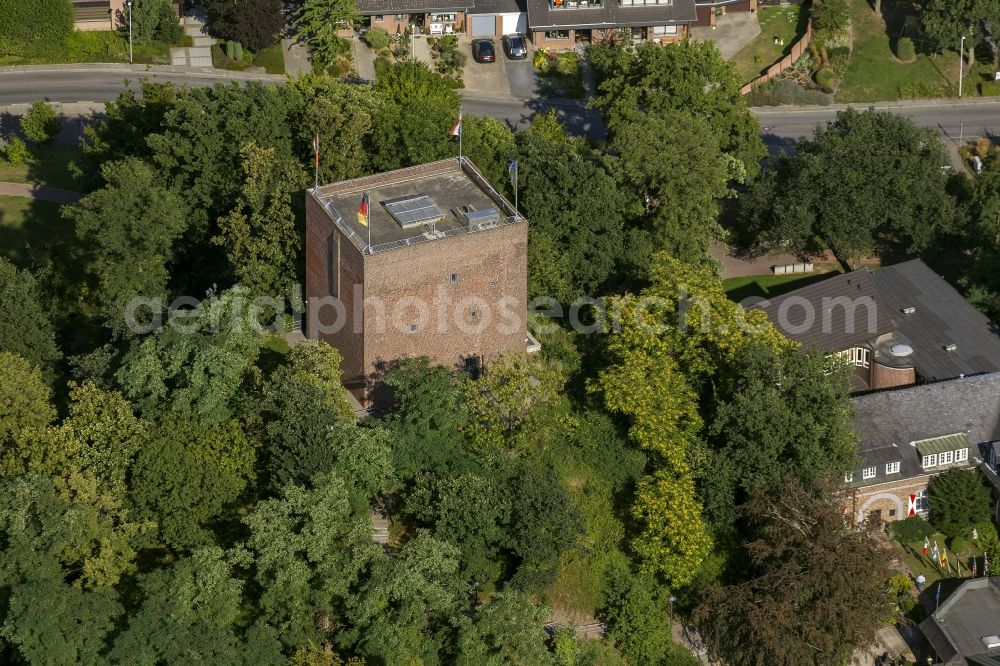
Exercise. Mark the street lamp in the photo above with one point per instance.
(961, 65)
(129, 3)
(672, 599)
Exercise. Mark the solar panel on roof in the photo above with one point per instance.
(413, 211)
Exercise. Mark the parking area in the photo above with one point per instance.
(522, 77)
(489, 77)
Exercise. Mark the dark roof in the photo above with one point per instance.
(499, 6)
(957, 628)
(372, 7)
(541, 16)
(837, 324)
(900, 417)
(942, 317)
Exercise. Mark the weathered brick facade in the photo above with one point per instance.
(539, 40)
(890, 499)
(460, 299)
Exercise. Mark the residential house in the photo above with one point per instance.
(437, 268)
(563, 23)
(910, 434)
(897, 326)
(710, 10)
(91, 15)
(965, 629)
(397, 16)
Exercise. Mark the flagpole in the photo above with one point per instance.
(517, 169)
(369, 224)
(460, 133)
(316, 158)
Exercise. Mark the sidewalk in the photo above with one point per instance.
(201, 72)
(40, 192)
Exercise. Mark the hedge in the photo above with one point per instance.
(825, 78)
(29, 27)
(911, 529)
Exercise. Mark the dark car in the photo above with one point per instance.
(515, 46)
(483, 50)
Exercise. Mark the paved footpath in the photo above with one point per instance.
(40, 192)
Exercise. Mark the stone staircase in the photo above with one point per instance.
(199, 54)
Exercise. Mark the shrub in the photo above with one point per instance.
(905, 50)
(825, 78)
(983, 145)
(831, 15)
(957, 544)
(151, 20)
(41, 125)
(911, 529)
(29, 27)
(254, 23)
(989, 88)
(785, 91)
(17, 151)
(377, 38)
(900, 584)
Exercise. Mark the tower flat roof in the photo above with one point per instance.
(456, 188)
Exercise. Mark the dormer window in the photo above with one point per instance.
(868, 473)
(961, 455)
(848, 477)
(930, 461)
(946, 457)
(892, 468)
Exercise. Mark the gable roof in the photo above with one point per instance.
(541, 16)
(941, 317)
(379, 7)
(836, 324)
(968, 407)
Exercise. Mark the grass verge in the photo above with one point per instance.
(27, 225)
(272, 59)
(94, 46)
(768, 286)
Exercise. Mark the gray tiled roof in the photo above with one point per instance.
(373, 7)
(498, 6)
(969, 405)
(834, 327)
(956, 629)
(611, 14)
(942, 317)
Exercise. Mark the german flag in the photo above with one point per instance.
(363, 210)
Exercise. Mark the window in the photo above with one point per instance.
(892, 468)
(848, 477)
(402, 17)
(930, 460)
(557, 34)
(575, 4)
(454, 278)
(868, 473)
(922, 501)
(961, 455)
(946, 458)
(638, 3)
(659, 30)
(443, 18)
(379, 18)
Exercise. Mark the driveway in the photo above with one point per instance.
(731, 34)
(522, 77)
(490, 77)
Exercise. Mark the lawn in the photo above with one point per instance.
(765, 286)
(912, 555)
(785, 23)
(49, 166)
(272, 59)
(874, 74)
(27, 225)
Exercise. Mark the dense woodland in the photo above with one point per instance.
(173, 498)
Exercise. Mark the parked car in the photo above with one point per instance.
(515, 46)
(483, 50)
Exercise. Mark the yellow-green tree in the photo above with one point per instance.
(664, 343)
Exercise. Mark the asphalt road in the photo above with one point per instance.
(782, 125)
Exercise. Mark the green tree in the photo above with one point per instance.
(256, 24)
(25, 327)
(779, 414)
(187, 472)
(508, 630)
(26, 400)
(41, 125)
(958, 500)
(259, 233)
(815, 589)
(197, 363)
(99, 437)
(151, 20)
(310, 551)
(191, 612)
(947, 21)
(128, 229)
(854, 198)
(673, 160)
(831, 16)
(577, 213)
(319, 21)
(490, 145)
(689, 76)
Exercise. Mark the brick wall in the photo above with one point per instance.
(892, 498)
(542, 42)
(390, 24)
(885, 377)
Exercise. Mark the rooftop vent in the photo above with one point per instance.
(901, 350)
(909, 310)
(991, 642)
(950, 347)
(415, 210)
(480, 218)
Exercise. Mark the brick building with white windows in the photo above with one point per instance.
(908, 435)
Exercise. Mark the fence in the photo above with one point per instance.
(798, 49)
